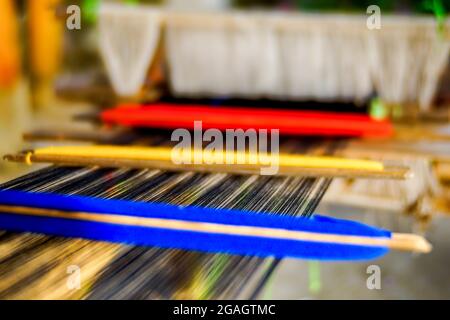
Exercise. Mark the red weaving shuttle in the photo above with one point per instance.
(289, 122)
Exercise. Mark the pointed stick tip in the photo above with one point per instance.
(411, 242)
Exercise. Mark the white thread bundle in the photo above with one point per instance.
(128, 40)
(407, 59)
(295, 56)
(198, 4)
(385, 194)
(318, 54)
(257, 55)
(229, 57)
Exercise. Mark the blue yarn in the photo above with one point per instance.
(189, 240)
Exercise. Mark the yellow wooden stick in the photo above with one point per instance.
(206, 157)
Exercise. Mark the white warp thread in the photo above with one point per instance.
(319, 57)
(276, 55)
(128, 40)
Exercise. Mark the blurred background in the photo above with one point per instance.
(58, 60)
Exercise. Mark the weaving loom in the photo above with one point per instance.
(300, 198)
(290, 195)
(143, 218)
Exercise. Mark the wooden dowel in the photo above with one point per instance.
(398, 173)
(404, 242)
(375, 150)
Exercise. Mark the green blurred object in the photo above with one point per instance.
(268, 289)
(377, 109)
(89, 9)
(402, 6)
(315, 283)
(398, 111)
(218, 267)
(438, 8)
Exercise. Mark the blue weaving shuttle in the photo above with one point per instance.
(198, 228)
